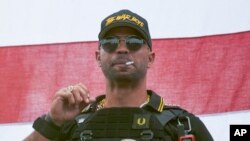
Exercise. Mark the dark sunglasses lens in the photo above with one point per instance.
(109, 44)
(134, 43)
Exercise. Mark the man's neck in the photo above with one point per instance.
(122, 96)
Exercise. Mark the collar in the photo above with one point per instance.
(155, 102)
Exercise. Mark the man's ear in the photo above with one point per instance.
(98, 57)
(151, 59)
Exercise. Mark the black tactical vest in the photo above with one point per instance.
(119, 124)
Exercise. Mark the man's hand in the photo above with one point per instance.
(69, 102)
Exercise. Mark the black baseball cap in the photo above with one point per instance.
(126, 18)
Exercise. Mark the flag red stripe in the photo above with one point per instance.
(204, 75)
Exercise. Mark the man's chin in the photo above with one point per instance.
(123, 76)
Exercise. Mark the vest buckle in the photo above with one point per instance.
(147, 135)
(86, 135)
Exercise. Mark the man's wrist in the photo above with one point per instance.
(47, 118)
(46, 127)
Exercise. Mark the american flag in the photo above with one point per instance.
(202, 57)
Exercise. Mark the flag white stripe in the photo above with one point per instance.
(38, 22)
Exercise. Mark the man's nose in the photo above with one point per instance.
(122, 47)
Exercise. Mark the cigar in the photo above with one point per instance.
(129, 62)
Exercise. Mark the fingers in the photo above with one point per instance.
(76, 94)
(66, 95)
(81, 93)
(84, 92)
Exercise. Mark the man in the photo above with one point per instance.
(127, 111)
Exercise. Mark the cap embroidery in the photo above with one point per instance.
(124, 17)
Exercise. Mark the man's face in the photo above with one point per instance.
(113, 63)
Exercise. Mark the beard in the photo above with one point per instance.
(125, 75)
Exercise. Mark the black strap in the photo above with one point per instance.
(168, 114)
(47, 129)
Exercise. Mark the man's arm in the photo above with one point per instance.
(67, 103)
(35, 136)
(200, 130)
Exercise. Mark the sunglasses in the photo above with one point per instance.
(133, 43)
